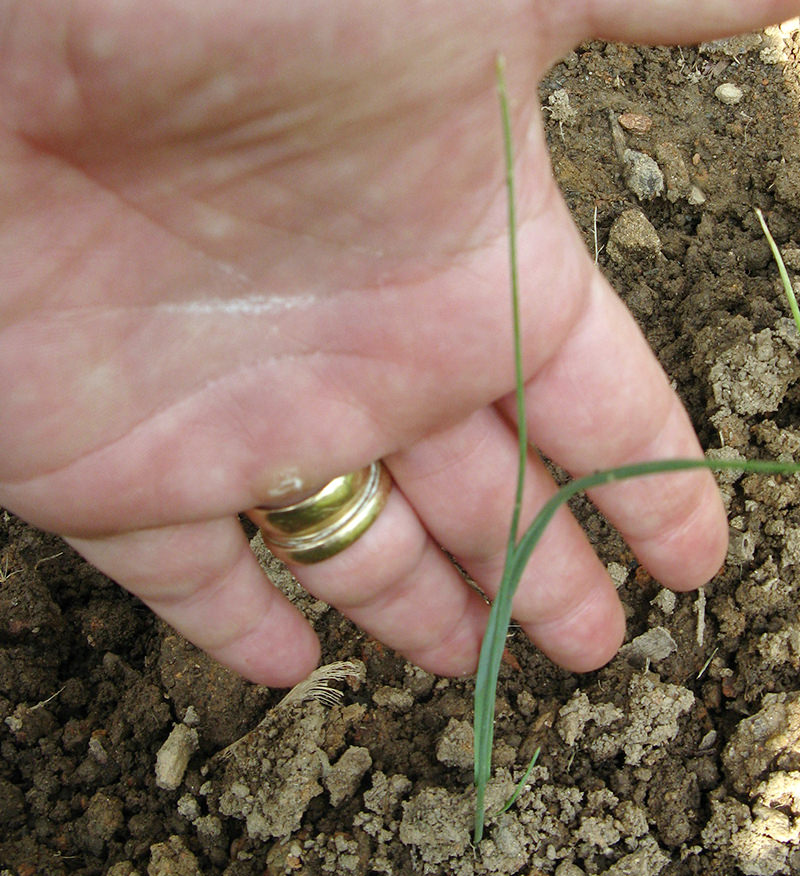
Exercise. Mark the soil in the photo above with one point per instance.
(681, 757)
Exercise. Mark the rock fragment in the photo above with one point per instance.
(642, 175)
(632, 237)
(654, 645)
(173, 756)
(728, 93)
(636, 123)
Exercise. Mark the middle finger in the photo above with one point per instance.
(461, 482)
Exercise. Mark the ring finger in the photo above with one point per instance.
(456, 490)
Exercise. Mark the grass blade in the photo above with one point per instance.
(500, 614)
(787, 283)
(519, 379)
(521, 783)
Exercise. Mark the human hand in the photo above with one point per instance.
(247, 248)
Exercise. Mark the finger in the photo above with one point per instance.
(204, 580)
(462, 483)
(680, 20)
(603, 400)
(399, 586)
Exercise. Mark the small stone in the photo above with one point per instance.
(642, 175)
(618, 574)
(173, 756)
(190, 717)
(696, 196)
(665, 601)
(654, 645)
(632, 237)
(636, 123)
(728, 93)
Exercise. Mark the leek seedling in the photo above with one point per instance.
(519, 551)
(787, 283)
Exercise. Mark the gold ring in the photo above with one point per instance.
(322, 525)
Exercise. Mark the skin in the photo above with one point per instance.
(246, 249)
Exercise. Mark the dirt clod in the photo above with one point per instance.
(632, 236)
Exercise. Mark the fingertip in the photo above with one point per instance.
(456, 656)
(700, 538)
(267, 639)
(273, 659)
(589, 635)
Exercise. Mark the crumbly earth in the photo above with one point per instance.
(681, 757)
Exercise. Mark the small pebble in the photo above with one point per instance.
(665, 600)
(654, 645)
(636, 123)
(632, 237)
(173, 756)
(696, 196)
(728, 93)
(642, 175)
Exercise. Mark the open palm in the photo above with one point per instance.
(246, 249)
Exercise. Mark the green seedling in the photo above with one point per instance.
(521, 784)
(787, 283)
(519, 549)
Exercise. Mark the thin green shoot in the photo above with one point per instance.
(522, 427)
(486, 680)
(787, 283)
(521, 783)
(519, 552)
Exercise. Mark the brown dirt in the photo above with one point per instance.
(681, 757)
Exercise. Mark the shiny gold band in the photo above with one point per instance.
(327, 522)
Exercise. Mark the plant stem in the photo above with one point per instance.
(485, 716)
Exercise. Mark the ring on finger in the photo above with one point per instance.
(330, 520)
